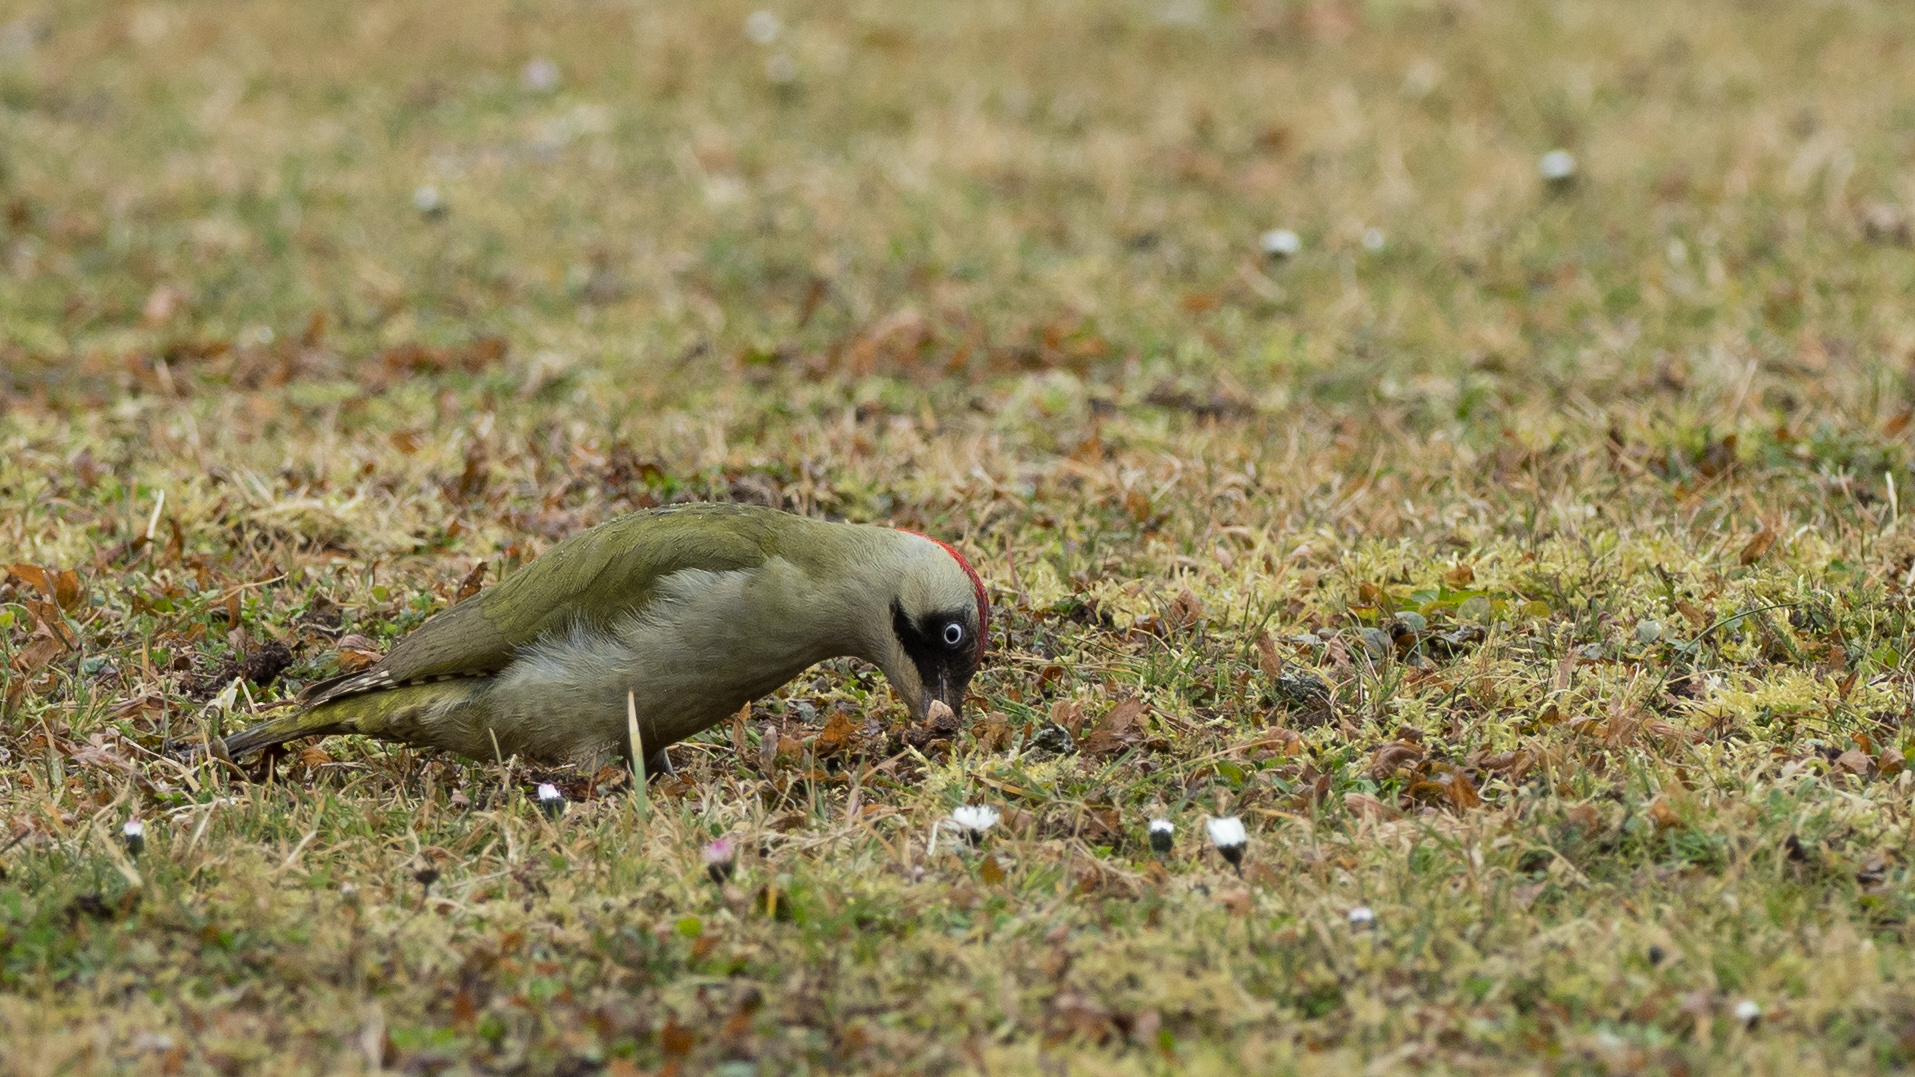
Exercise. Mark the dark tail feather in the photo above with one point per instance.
(281, 730)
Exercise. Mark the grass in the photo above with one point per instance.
(1580, 502)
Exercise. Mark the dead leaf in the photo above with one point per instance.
(990, 870)
(1757, 546)
(1185, 610)
(1664, 816)
(675, 1040)
(1897, 424)
(1364, 806)
(62, 587)
(1692, 613)
(1077, 1014)
(356, 652)
(470, 585)
(1462, 792)
(1854, 761)
(1068, 716)
(1460, 577)
(837, 735)
(1120, 728)
(1267, 657)
(1393, 757)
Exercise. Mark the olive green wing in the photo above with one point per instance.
(593, 578)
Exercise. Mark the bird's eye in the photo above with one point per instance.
(953, 634)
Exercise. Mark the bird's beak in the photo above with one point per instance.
(945, 701)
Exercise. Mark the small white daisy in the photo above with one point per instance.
(721, 859)
(1557, 166)
(540, 76)
(551, 801)
(763, 27)
(1280, 243)
(1162, 836)
(427, 200)
(1228, 836)
(1748, 1012)
(134, 835)
(974, 820)
(1362, 918)
(1373, 240)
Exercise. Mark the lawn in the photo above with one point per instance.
(1511, 540)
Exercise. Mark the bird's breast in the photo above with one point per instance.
(708, 643)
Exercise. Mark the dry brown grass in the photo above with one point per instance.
(1582, 505)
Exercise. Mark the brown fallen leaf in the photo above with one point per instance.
(471, 584)
(1120, 728)
(1664, 816)
(837, 735)
(1267, 657)
(1692, 613)
(1393, 757)
(1185, 610)
(1364, 806)
(356, 652)
(1854, 761)
(1757, 546)
(1462, 792)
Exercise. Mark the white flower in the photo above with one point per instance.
(1226, 833)
(540, 76)
(426, 199)
(1557, 166)
(1162, 835)
(721, 859)
(975, 819)
(550, 799)
(1748, 1012)
(1362, 918)
(763, 27)
(1280, 243)
(1373, 240)
(134, 835)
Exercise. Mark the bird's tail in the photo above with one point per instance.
(402, 713)
(313, 723)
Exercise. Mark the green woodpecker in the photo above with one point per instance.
(694, 610)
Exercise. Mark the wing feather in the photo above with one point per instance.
(595, 577)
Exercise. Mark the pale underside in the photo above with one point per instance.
(709, 643)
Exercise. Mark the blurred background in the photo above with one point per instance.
(1215, 208)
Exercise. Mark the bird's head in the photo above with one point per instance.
(939, 617)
